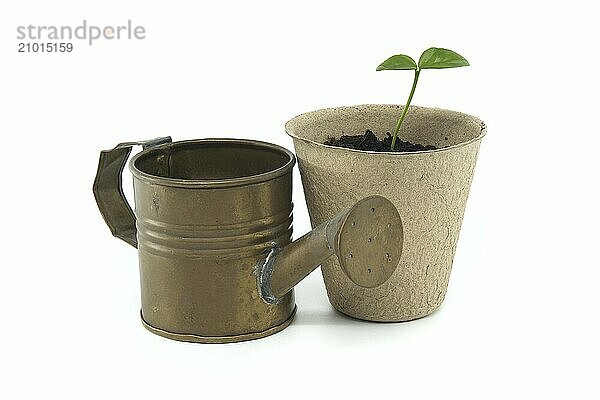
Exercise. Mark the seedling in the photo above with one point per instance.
(432, 58)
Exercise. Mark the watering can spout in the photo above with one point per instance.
(367, 238)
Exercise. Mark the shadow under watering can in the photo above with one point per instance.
(213, 228)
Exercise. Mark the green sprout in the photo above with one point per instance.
(432, 58)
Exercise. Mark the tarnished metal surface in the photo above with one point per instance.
(206, 211)
(212, 217)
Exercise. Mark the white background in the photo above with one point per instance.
(520, 318)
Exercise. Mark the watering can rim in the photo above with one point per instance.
(215, 183)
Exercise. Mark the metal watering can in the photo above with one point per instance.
(213, 228)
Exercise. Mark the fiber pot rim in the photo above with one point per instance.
(216, 183)
(394, 153)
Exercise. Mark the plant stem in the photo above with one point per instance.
(405, 109)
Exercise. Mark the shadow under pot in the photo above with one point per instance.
(429, 188)
(213, 228)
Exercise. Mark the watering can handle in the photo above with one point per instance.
(108, 189)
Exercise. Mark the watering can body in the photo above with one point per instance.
(213, 228)
(205, 213)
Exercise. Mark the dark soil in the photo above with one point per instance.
(370, 142)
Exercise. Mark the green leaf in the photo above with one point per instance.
(399, 61)
(436, 58)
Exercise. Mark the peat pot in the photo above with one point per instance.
(213, 228)
(429, 189)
